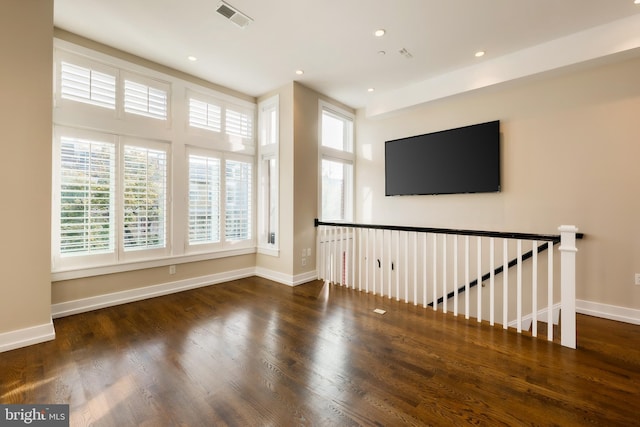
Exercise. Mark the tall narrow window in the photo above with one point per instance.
(204, 200)
(145, 187)
(268, 170)
(238, 200)
(87, 187)
(337, 163)
(270, 198)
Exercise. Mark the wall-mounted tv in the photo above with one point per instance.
(461, 160)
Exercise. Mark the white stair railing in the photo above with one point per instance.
(455, 271)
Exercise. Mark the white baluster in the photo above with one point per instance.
(358, 232)
(435, 273)
(550, 291)
(389, 266)
(505, 284)
(415, 268)
(444, 273)
(479, 275)
(519, 288)
(455, 275)
(342, 257)
(397, 257)
(466, 277)
(492, 293)
(534, 290)
(424, 270)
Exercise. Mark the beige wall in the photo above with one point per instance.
(26, 30)
(570, 147)
(76, 289)
(306, 176)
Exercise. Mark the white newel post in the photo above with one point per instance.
(568, 284)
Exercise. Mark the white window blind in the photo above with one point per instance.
(145, 100)
(86, 85)
(238, 175)
(239, 123)
(204, 199)
(145, 187)
(87, 186)
(204, 115)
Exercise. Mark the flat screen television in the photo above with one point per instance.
(461, 160)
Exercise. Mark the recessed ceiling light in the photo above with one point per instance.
(382, 52)
(379, 33)
(480, 53)
(636, 2)
(192, 58)
(299, 72)
(370, 89)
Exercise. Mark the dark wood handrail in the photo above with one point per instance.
(500, 234)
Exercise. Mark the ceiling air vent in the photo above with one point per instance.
(233, 14)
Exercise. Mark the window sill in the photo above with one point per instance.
(78, 273)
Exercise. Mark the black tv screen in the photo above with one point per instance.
(461, 160)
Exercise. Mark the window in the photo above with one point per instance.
(145, 188)
(239, 123)
(204, 200)
(137, 186)
(336, 164)
(86, 85)
(268, 174)
(238, 200)
(86, 196)
(145, 100)
(337, 178)
(204, 115)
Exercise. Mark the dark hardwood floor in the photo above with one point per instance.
(255, 353)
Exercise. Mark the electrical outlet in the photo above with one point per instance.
(304, 261)
(637, 278)
(172, 269)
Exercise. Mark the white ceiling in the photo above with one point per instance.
(333, 41)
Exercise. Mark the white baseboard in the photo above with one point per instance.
(27, 336)
(69, 308)
(286, 279)
(101, 301)
(606, 311)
